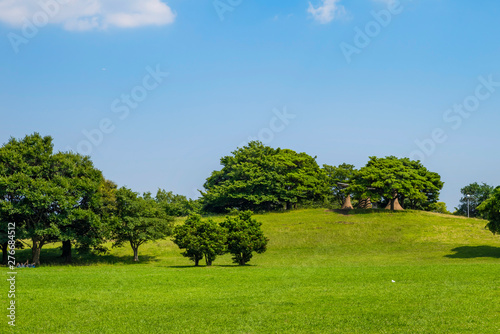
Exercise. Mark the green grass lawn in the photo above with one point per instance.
(324, 272)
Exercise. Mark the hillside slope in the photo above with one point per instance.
(324, 272)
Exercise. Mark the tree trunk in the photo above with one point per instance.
(347, 203)
(66, 251)
(135, 248)
(394, 204)
(394, 197)
(5, 255)
(35, 251)
(196, 261)
(209, 262)
(136, 254)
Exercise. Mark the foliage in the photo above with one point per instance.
(390, 178)
(439, 207)
(42, 192)
(343, 173)
(200, 239)
(27, 192)
(49, 196)
(260, 178)
(82, 183)
(244, 236)
(176, 205)
(490, 209)
(139, 220)
(478, 194)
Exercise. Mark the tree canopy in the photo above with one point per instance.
(478, 194)
(258, 177)
(49, 196)
(490, 209)
(139, 220)
(175, 205)
(200, 238)
(244, 237)
(81, 181)
(394, 178)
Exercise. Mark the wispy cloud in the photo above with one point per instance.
(327, 11)
(87, 14)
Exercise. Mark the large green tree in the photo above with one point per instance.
(33, 198)
(244, 237)
(138, 220)
(200, 238)
(50, 197)
(472, 196)
(82, 183)
(392, 178)
(258, 177)
(490, 209)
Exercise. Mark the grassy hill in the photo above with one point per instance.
(324, 272)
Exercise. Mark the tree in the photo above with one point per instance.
(490, 209)
(397, 180)
(82, 182)
(176, 205)
(478, 194)
(258, 177)
(138, 221)
(51, 197)
(439, 207)
(343, 173)
(32, 196)
(200, 239)
(244, 236)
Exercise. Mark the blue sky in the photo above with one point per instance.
(228, 79)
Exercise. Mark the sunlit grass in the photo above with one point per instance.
(324, 272)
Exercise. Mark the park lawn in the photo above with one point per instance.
(324, 272)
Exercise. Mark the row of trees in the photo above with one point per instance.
(241, 236)
(62, 197)
(261, 178)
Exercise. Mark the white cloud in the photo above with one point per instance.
(87, 14)
(327, 11)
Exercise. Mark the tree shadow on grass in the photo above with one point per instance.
(212, 266)
(52, 257)
(471, 252)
